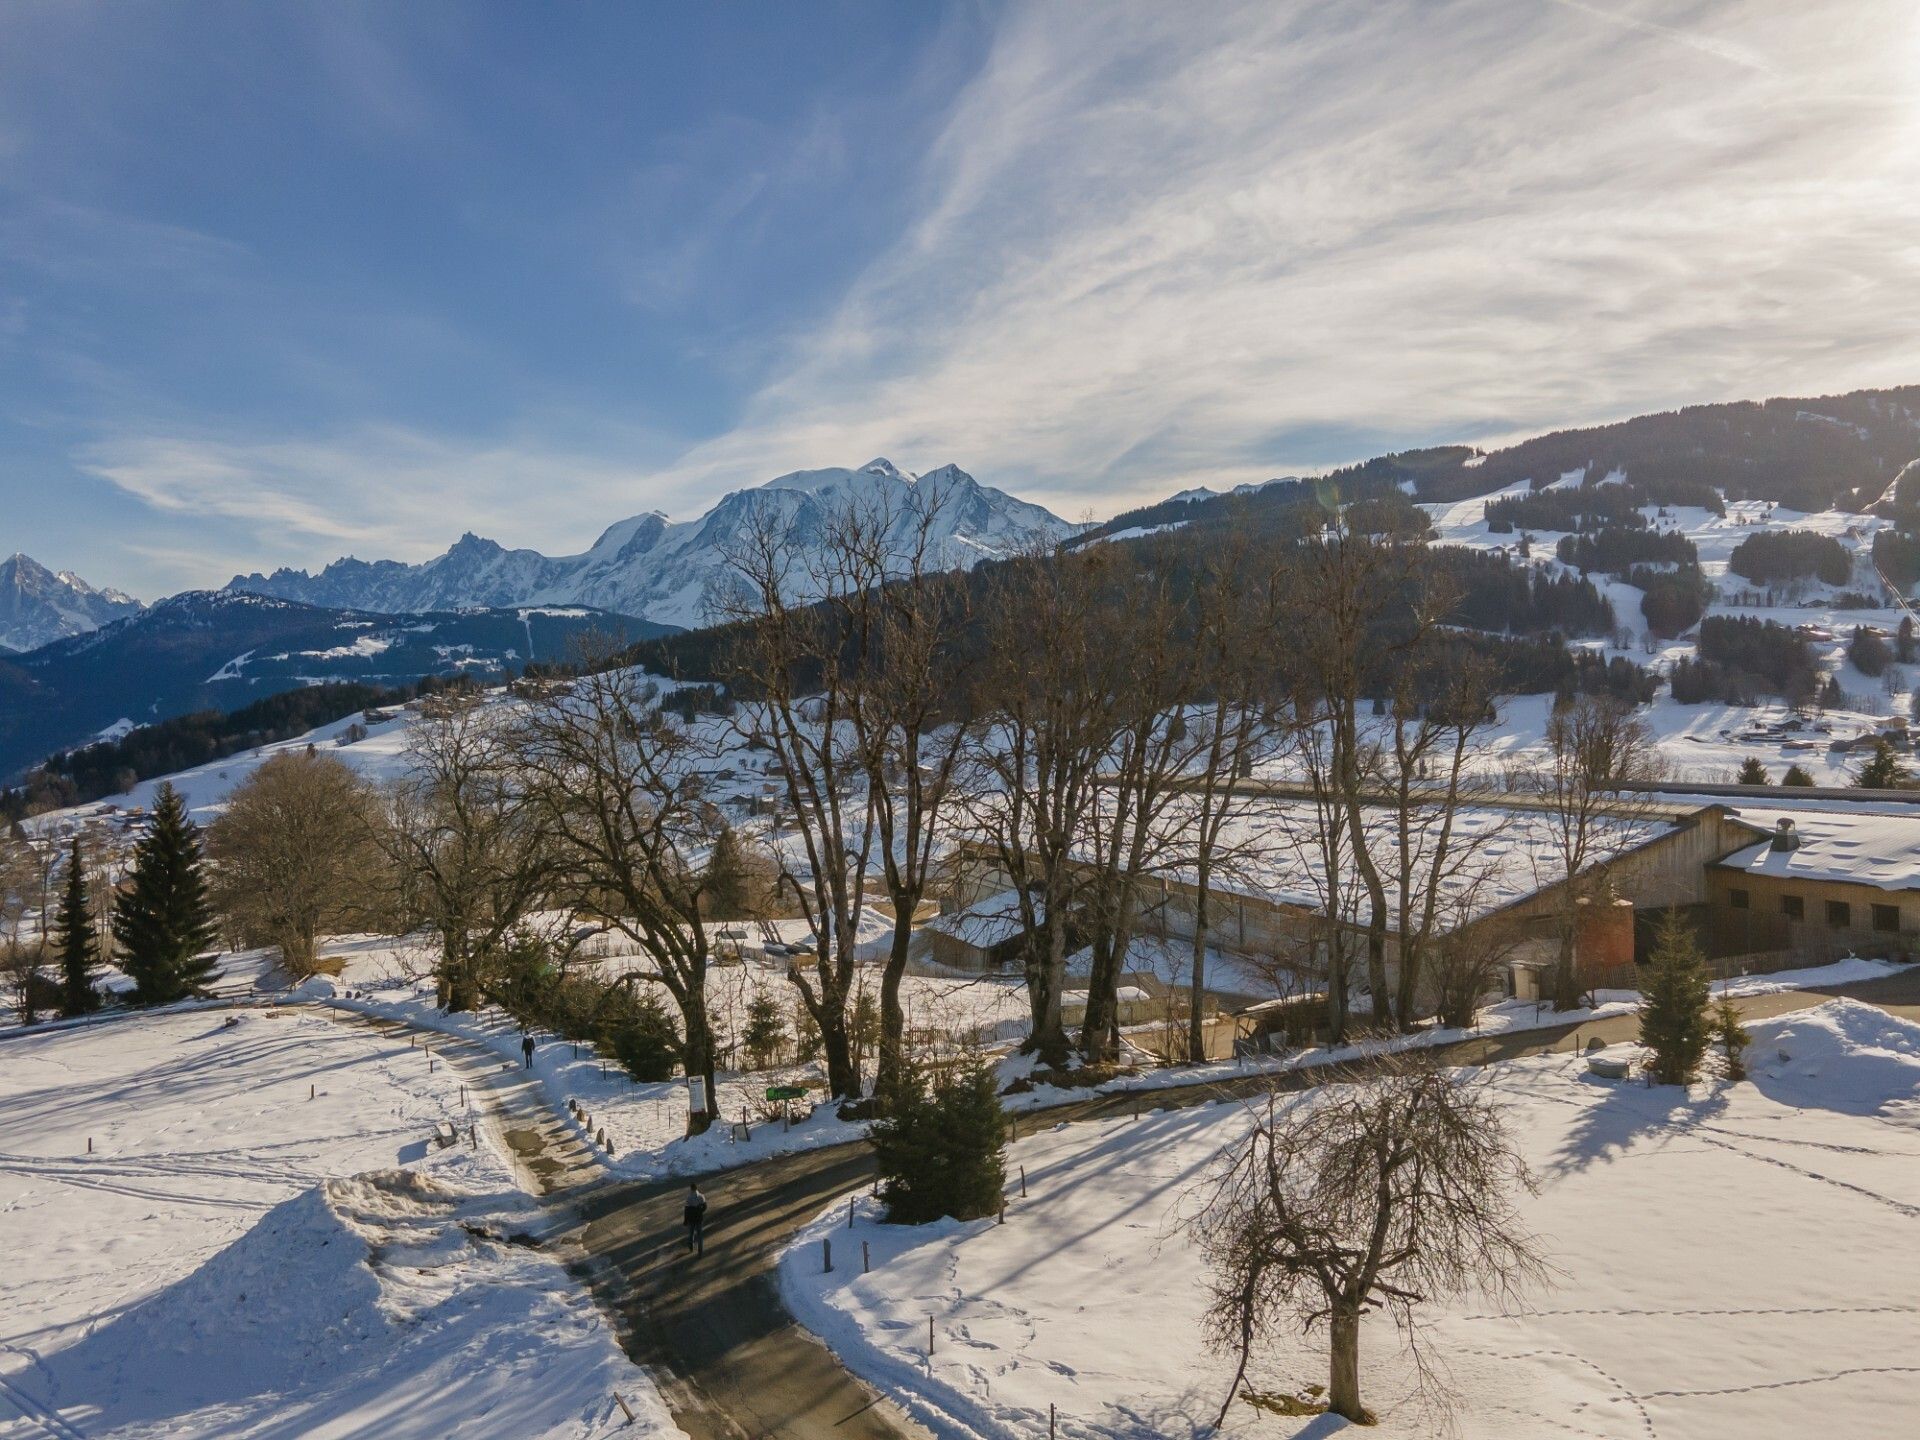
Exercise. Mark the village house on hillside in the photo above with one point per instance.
(1794, 878)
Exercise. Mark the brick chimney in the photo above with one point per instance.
(1603, 938)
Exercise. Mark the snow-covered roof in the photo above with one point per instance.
(1858, 847)
(1499, 854)
(984, 924)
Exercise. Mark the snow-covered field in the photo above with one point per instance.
(236, 1259)
(1736, 1266)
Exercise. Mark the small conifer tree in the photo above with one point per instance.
(941, 1147)
(164, 922)
(724, 893)
(806, 1033)
(76, 943)
(1752, 772)
(1796, 776)
(1732, 1038)
(766, 1033)
(643, 1038)
(1674, 1019)
(1883, 772)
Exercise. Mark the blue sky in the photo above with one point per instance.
(282, 282)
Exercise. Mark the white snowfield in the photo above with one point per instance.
(1737, 1266)
(235, 1259)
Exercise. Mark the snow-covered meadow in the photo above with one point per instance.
(1734, 1258)
(233, 1258)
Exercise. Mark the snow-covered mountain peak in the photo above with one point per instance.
(38, 606)
(884, 468)
(655, 569)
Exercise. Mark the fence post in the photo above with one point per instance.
(1023, 1182)
(826, 1257)
(849, 1212)
(929, 1337)
(866, 1260)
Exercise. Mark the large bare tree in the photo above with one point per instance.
(1394, 714)
(1390, 1192)
(618, 783)
(1235, 724)
(850, 672)
(1050, 687)
(467, 841)
(1593, 744)
(294, 855)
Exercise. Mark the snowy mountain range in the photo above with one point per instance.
(220, 650)
(661, 570)
(38, 607)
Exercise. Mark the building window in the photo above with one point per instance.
(1793, 907)
(1737, 899)
(1887, 918)
(1839, 914)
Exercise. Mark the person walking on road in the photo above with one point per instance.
(526, 1052)
(694, 1217)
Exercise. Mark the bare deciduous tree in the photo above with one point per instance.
(1234, 727)
(294, 855)
(616, 784)
(1593, 744)
(851, 674)
(1050, 686)
(1386, 1193)
(468, 843)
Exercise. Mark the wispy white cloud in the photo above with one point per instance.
(1168, 243)
(1159, 245)
(387, 492)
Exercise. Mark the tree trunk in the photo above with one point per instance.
(1047, 1033)
(1406, 1005)
(698, 1059)
(1336, 989)
(1377, 966)
(893, 1018)
(1566, 978)
(843, 1071)
(457, 985)
(1100, 1033)
(1343, 1382)
(1197, 986)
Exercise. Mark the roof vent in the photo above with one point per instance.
(1785, 837)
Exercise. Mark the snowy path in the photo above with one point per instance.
(547, 1153)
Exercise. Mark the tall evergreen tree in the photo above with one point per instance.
(164, 922)
(1883, 772)
(76, 944)
(1675, 1022)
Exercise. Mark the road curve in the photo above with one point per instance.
(730, 1361)
(741, 1368)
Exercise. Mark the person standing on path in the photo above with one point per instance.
(526, 1052)
(694, 1217)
